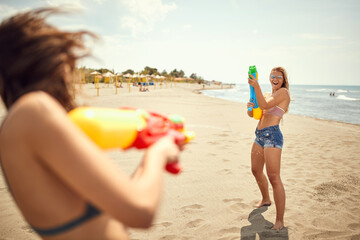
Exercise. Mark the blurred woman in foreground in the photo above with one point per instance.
(65, 186)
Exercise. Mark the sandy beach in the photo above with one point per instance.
(214, 197)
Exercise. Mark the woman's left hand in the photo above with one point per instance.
(252, 81)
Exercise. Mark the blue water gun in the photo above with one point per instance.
(257, 112)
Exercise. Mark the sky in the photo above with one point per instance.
(316, 41)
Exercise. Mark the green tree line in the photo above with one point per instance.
(149, 71)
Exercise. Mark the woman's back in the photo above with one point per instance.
(43, 197)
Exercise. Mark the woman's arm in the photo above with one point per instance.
(85, 168)
(281, 95)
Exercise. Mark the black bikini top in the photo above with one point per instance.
(90, 213)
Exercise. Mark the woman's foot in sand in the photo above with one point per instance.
(278, 226)
(264, 203)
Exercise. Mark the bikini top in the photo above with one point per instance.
(89, 213)
(276, 111)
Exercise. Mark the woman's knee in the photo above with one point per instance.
(257, 172)
(274, 178)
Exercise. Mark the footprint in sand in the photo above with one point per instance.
(224, 171)
(212, 154)
(164, 224)
(222, 135)
(236, 204)
(194, 223)
(230, 233)
(354, 226)
(168, 237)
(230, 230)
(192, 208)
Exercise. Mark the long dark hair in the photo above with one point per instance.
(34, 56)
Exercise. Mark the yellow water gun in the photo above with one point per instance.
(128, 127)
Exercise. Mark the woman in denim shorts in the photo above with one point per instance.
(266, 149)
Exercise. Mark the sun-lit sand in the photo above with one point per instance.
(214, 197)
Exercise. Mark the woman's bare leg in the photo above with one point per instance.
(257, 168)
(273, 162)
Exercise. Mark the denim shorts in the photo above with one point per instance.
(269, 137)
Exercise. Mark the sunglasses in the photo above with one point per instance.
(278, 77)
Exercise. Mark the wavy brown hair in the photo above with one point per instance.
(34, 56)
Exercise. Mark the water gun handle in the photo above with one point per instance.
(252, 97)
(256, 110)
(173, 168)
(252, 93)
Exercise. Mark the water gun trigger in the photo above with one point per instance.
(159, 126)
(174, 168)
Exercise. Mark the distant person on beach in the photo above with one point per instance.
(269, 140)
(65, 186)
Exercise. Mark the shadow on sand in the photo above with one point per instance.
(261, 227)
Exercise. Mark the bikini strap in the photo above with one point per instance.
(90, 212)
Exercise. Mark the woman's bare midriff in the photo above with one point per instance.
(267, 121)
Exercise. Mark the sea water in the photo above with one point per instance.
(308, 100)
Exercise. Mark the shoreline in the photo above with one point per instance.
(306, 116)
(215, 195)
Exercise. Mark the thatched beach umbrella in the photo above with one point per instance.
(108, 76)
(95, 73)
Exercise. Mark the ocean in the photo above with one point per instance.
(307, 100)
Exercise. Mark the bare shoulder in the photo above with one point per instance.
(284, 92)
(267, 95)
(36, 102)
(31, 109)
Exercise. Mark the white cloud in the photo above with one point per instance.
(187, 26)
(143, 14)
